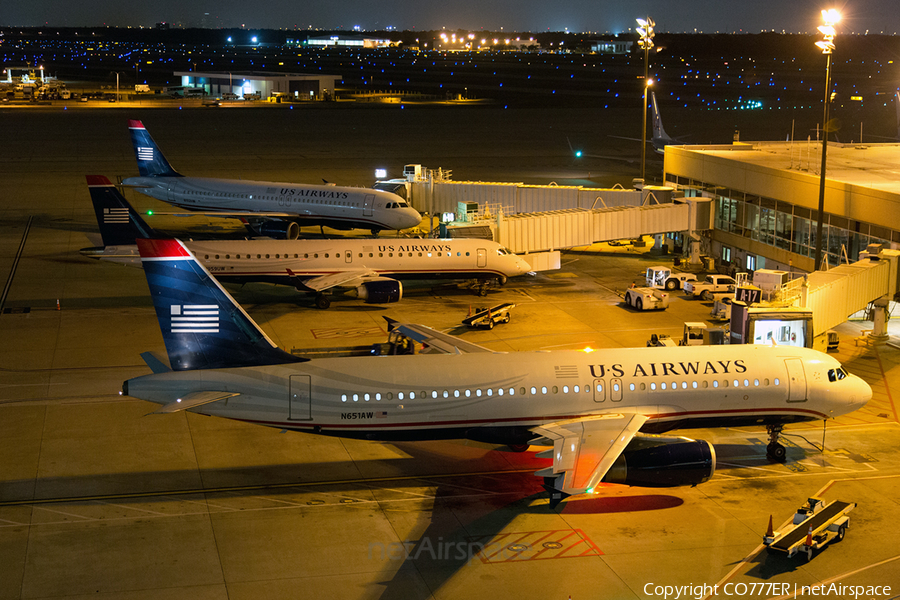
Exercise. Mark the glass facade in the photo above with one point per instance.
(793, 228)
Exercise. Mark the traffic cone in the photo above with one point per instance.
(770, 532)
(809, 537)
(57, 304)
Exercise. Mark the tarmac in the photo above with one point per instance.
(100, 500)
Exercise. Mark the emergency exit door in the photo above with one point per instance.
(299, 399)
(368, 203)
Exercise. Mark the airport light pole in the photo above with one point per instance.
(831, 18)
(645, 31)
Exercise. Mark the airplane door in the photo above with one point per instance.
(368, 204)
(599, 390)
(796, 380)
(349, 257)
(300, 399)
(481, 258)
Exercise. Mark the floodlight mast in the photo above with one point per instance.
(646, 33)
(830, 17)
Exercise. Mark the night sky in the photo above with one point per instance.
(875, 16)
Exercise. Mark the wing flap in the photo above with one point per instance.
(193, 400)
(585, 449)
(444, 343)
(349, 278)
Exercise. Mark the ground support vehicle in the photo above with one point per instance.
(646, 298)
(816, 524)
(664, 278)
(489, 316)
(711, 285)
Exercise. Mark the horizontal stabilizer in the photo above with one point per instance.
(193, 400)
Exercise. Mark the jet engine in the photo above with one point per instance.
(380, 291)
(278, 229)
(655, 461)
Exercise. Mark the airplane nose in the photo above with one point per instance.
(860, 393)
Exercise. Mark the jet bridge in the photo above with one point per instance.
(802, 310)
(535, 232)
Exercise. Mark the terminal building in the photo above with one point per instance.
(765, 200)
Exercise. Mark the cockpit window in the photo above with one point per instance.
(836, 374)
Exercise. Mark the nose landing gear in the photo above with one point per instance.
(775, 452)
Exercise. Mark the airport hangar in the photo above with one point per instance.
(299, 86)
(766, 197)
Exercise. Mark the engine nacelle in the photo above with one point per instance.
(654, 461)
(380, 291)
(280, 230)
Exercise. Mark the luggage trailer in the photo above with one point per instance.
(815, 525)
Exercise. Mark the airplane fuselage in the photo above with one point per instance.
(334, 206)
(498, 397)
(290, 261)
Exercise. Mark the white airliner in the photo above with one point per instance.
(589, 409)
(274, 209)
(371, 267)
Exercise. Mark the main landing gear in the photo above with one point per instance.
(775, 452)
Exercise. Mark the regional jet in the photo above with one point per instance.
(372, 268)
(273, 209)
(591, 410)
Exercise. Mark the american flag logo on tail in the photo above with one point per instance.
(144, 153)
(195, 318)
(115, 215)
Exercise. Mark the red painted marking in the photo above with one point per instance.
(533, 541)
(97, 180)
(162, 249)
(135, 124)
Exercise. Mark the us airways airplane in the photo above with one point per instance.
(591, 410)
(268, 208)
(373, 268)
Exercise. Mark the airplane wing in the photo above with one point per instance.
(584, 450)
(444, 343)
(349, 278)
(193, 400)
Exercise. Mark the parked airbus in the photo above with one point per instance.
(589, 409)
(273, 209)
(371, 267)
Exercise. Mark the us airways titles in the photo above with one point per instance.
(664, 369)
(314, 193)
(416, 248)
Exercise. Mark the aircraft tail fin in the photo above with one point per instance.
(660, 137)
(119, 223)
(897, 106)
(150, 160)
(202, 326)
